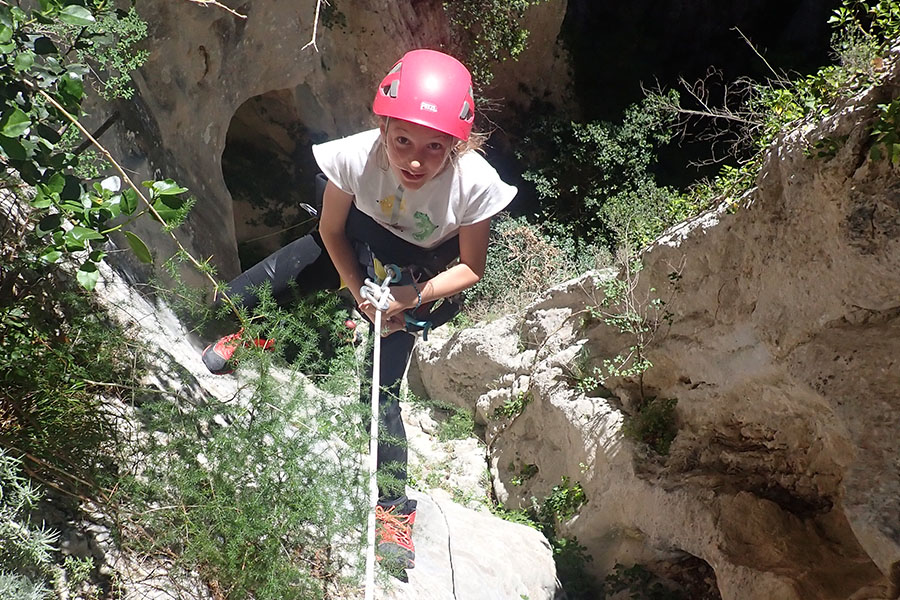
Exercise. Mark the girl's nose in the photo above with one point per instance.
(415, 164)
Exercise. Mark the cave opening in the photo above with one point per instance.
(270, 171)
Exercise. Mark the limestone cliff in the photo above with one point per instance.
(215, 81)
(780, 345)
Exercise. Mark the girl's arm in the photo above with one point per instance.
(473, 244)
(335, 208)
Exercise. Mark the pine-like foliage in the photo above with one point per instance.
(263, 494)
(26, 551)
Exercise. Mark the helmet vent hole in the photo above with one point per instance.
(391, 90)
(396, 68)
(466, 111)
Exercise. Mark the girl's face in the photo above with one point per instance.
(416, 153)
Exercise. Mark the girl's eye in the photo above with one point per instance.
(402, 141)
(436, 146)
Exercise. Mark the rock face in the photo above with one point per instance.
(241, 100)
(780, 345)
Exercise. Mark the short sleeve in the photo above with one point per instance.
(487, 194)
(343, 160)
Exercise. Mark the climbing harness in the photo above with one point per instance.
(380, 297)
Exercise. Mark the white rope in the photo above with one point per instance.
(380, 297)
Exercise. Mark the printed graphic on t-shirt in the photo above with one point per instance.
(391, 206)
(424, 226)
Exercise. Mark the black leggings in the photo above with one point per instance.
(304, 267)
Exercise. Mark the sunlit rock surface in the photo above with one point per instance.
(780, 343)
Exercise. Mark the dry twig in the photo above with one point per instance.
(218, 5)
(312, 42)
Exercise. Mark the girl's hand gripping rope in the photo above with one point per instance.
(378, 298)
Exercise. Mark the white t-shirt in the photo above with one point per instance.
(469, 190)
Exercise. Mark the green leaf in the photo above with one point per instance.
(41, 200)
(71, 188)
(59, 160)
(48, 224)
(48, 133)
(6, 34)
(111, 184)
(27, 171)
(71, 88)
(167, 208)
(76, 15)
(14, 123)
(13, 148)
(82, 235)
(79, 69)
(44, 45)
(88, 275)
(113, 206)
(166, 188)
(6, 17)
(56, 183)
(23, 61)
(51, 255)
(139, 247)
(129, 201)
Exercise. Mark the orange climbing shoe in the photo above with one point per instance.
(393, 534)
(217, 356)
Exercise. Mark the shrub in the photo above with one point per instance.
(570, 556)
(59, 353)
(26, 560)
(263, 495)
(653, 424)
(522, 262)
(588, 176)
(488, 32)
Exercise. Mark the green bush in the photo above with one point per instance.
(59, 354)
(513, 406)
(653, 424)
(488, 32)
(522, 262)
(27, 557)
(454, 422)
(263, 495)
(639, 583)
(571, 558)
(44, 84)
(863, 33)
(594, 180)
(563, 502)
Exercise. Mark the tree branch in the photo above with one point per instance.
(127, 179)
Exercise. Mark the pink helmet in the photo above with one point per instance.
(429, 88)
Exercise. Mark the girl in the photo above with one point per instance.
(411, 193)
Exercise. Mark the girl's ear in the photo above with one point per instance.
(382, 125)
